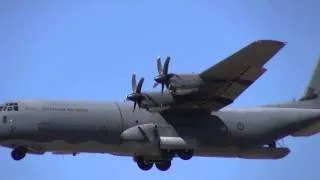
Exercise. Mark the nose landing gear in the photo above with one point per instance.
(18, 153)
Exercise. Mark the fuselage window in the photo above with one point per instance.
(4, 119)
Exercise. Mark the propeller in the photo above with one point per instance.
(136, 95)
(163, 76)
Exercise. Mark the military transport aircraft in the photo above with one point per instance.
(189, 118)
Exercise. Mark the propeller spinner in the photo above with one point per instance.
(136, 95)
(163, 76)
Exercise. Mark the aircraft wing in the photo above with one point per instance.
(238, 71)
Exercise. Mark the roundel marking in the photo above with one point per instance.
(240, 126)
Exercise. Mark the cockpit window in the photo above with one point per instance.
(9, 107)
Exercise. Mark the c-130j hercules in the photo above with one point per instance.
(189, 118)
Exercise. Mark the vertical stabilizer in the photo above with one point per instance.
(313, 88)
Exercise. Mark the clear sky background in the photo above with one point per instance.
(87, 50)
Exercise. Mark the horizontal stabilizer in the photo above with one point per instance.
(309, 131)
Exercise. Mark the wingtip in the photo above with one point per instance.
(283, 43)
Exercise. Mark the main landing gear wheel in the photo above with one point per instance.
(185, 154)
(18, 153)
(144, 165)
(163, 166)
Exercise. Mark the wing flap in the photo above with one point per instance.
(252, 74)
(235, 88)
(233, 91)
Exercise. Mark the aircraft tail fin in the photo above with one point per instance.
(313, 89)
(309, 100)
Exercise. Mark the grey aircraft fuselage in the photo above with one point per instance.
(76, 127)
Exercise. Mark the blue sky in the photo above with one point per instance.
(87, 50)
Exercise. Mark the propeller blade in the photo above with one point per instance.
(159, 65)
(155, 84)
(138, 90)
(162, 87)
(133, 82)
(166, 66)
(134, 105)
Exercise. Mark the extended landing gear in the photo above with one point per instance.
(144, 165)
(185, 154)
(164, 162)
(164, 165)
(167, 154)
(18, 153)
(161, 165)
